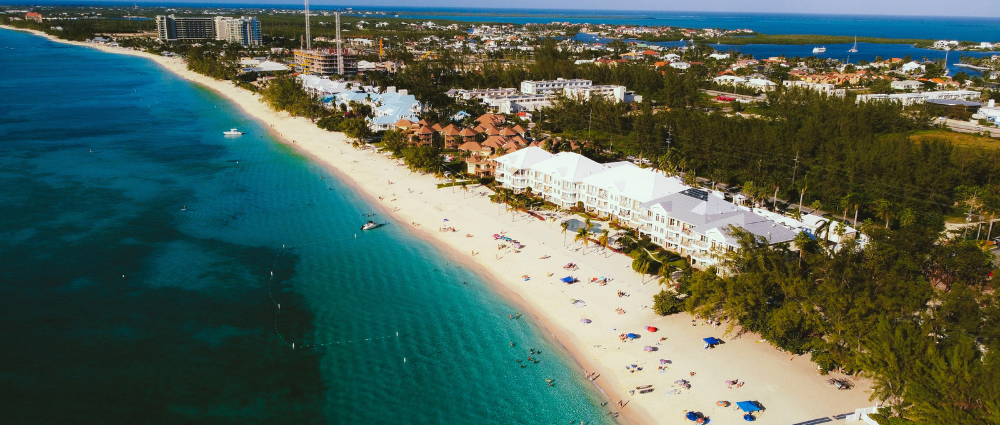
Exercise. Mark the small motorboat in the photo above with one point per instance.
(371, 225)
(233, 132)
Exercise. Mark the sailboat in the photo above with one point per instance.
(855, 48)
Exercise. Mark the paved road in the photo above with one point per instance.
(967, 127)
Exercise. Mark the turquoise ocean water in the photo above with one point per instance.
(121, 307)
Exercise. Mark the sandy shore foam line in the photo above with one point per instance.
(788, 386)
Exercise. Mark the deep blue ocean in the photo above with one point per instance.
(866, 51)
(973, 27)
(137, 246)
(923, 27)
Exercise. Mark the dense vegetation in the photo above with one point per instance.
(82, 29)
(917, 316)
(429, 80)
(209, 62)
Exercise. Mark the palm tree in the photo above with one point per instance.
(465, 188)
(802, 192)
(856, 199)
(667, 271)
(845, 203)
(801, 241)
(587, 223)
(841, 228)
(581, 235)
(502, 197)
(991, 208)
(564, 225)
(884, 209)
(604, 239)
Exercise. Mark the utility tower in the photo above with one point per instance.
(308, 37)
(340, 51)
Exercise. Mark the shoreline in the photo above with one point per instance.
(789, 390)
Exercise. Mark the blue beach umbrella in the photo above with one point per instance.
(691, 416)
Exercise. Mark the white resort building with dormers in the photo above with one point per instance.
(692, 222)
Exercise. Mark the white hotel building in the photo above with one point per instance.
(692, 222)
(557, 178)
(553, 86)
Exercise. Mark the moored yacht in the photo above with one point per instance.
(820, 49)
(370, 225)
(233, 132)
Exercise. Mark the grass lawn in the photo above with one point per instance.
(957, 139)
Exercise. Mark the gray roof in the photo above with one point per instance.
(707, 212)
(953, 102)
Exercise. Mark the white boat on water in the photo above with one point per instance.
(819, 49)
(233, 132)
(370, 225)
(855, 48)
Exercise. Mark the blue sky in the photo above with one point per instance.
(973, 8)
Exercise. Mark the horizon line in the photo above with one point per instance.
(218, 3)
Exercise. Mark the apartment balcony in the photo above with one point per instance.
(602, 195)
(693, 244)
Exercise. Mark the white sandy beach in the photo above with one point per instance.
(788, 386)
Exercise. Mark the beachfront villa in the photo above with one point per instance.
(559, 179)
(690, 221)
(694, 223)
(512, 170)
(619, 192)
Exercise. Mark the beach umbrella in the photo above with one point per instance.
(749, 418)
(647, 348)
(585, 320)
(567, 279)
(711, 341)
(691, 416)
(631, 335)
(748, 406)
(650, 328)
